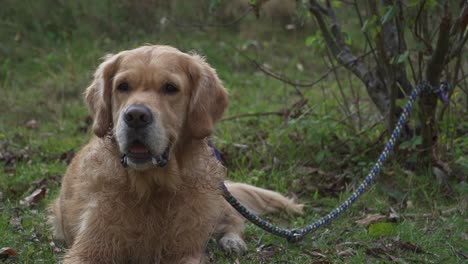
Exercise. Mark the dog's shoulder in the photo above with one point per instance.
(97, 163)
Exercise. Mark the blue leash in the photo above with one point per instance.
(294, 235)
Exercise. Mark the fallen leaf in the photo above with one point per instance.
(464, 235)
(376, 252)
(462, 254)
(300, 67)
(35, 197)
(34, 235)
(268, 251)
(347, 252)
(18, 36)
(7, 252)
(46, 135)
(54, 247)
(349, 243)
(241, 146)
(371, 218)
(32, 124)
(267, 66)
(409, 204)
(316, 254)
(15, 222)
(290, 27)
(306, 170)
(393, 215)
(409, 246)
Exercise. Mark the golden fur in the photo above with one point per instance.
(146, 214)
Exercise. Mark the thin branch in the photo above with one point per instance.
(368, 41)
(450, 93)
(203, 25)
(416, 31)
(285, 79)
(342, 53)
(457, 50)
(281, 114)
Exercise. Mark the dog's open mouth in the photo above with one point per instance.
(139, 151)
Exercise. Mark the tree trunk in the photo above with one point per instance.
(429, 152)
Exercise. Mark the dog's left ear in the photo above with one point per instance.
(208, 100)
(99, 95)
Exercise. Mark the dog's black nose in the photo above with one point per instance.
(138, 116)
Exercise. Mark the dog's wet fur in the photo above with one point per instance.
(147, 102)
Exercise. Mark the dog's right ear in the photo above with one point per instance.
(99, 95)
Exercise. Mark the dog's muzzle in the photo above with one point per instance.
(139, 135)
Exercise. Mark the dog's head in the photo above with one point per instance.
(152, 98)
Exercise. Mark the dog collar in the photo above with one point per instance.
(157, 161)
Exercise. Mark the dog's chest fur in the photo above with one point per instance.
(140, 223)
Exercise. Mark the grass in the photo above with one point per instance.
(317, 154)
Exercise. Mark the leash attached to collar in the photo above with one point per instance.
(294, 235)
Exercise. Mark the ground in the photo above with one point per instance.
(315, 145)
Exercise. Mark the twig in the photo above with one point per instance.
(277, 113)
(432, 215)
(283, 78)
(202, 25)
(342, 53)
(415, 30)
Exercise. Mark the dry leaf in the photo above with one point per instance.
(393, 215)
(300, 67)
(35, 197)
(409, 246)
(464, 235)
(306, 170)
(462, 254)
(32, 124)
(15, 222)
(371, 218)
(290, 27)
(317, 254)
(7, 252)
(347, 252)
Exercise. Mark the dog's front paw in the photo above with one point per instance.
(232, 244)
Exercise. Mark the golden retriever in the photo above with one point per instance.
(146, 188)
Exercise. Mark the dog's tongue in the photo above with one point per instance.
(138, 148)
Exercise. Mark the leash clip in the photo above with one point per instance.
(295, 235)
(441, 90)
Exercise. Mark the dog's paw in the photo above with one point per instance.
(232, 244)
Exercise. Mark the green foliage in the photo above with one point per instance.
(316, 41)
(382, 229)
(389, 14)
(372, 26)
(47, 60)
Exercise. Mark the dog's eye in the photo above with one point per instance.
(169, 89)
(123, 87)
